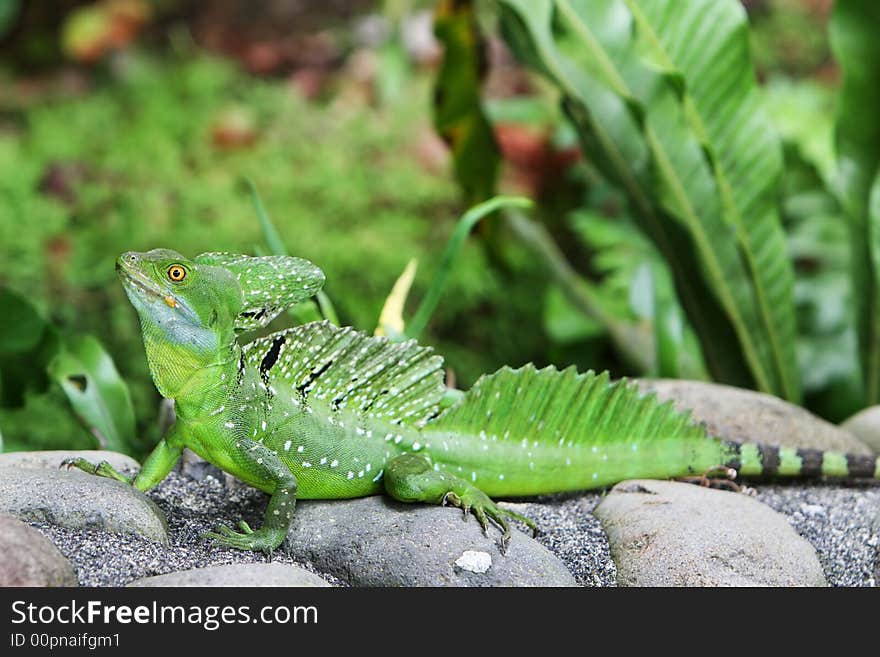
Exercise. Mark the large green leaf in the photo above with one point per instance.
(663, 96)
(819, 244)
(462, 229)
(854, 27)
(98, 395)
(458, 114)
(27, 341)
(8, 12)
(633, 274)
(21, 327)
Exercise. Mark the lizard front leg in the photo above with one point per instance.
(155, 468)
(265, 465)
(412, 478)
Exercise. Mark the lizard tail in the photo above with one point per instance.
(761, 460)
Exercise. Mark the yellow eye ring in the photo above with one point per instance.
(176, 273)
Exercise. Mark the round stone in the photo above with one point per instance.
(665, 533)
(27, 558)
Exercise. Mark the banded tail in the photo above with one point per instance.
(529, 431)
(759, 460)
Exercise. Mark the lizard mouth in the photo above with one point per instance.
(142, 286)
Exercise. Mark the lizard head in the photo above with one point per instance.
(174, 292)
(187, 312)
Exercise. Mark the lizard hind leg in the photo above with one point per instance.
(412, 478)
(718, 476)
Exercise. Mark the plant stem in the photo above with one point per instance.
(633, 344)
(470, 218)
(276, 247)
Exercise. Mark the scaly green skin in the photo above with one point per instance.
(318, 412)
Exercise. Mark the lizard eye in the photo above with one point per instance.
(176, 273)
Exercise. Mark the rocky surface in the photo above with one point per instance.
(239, 574)
(52, 459)
(27, 558)
(77, 500)
(375, 541)
(744, 415)
(865, 425)
(666, 533)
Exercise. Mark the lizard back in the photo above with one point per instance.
(336, 404)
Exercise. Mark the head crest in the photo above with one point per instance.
(269, 284)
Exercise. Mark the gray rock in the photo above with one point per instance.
(375, 541)
(51, 459)
(81, 501)
(27, 558)
(846, 539)
(195, 467)
(665, 533)
(242, 574)
(865, 425)
(745, 415)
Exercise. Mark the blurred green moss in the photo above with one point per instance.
(134, 164)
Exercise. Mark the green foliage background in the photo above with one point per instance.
(342, 182)
(719, 224)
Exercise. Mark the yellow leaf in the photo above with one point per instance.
(391, 318)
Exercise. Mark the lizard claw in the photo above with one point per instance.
(103, 469)
(485, 510)
(718, 476)
(262, 540)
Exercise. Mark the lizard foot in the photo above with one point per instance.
(718, 476)
(484, 509)
(103, 469)
(262, 540)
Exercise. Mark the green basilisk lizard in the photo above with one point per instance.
(321, 412)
